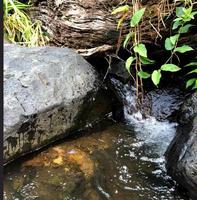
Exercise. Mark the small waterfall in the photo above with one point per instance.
(149, 131)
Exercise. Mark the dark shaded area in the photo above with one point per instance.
(181, 153)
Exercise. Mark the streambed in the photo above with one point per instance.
(121, 162)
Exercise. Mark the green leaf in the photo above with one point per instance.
(129, 35)
(173, 39)
(168, 44)
(178, 19)
(176, 24)
(185, 28)
(193, 14)
(156, 76)
(120, 9)
(143, 74)
(183, 49)
(187, 11)
(195, 85)
(193, 71)
(179, 11)
(129, 62)
(190, 82)
(191, 64)
(146, 61)
(141, 50)
(170, 68)
(137, 17)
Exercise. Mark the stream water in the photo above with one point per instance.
(123, 161)
(117, 163)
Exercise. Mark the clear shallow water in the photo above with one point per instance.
(123, 162)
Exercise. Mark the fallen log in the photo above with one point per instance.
(89, 27)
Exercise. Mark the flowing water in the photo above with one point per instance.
(122, 162)
(117, 163)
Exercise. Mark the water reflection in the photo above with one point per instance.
(115, 164)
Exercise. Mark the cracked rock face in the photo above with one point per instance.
(182, 153)
(46, 90)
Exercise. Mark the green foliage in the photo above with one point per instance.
(156, 76)
(128, 37)
(168, 44)
(128, 63)
(183, 49)
(146, 61)
(184, 15)
(137, 16)
(138, 50)
(143, 74)
(141, 50)
(185, 29)
(139, 54)
(192, 82)
(18, 27)
(170, 68)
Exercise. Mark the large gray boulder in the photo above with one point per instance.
(182, 153)
(48, 93)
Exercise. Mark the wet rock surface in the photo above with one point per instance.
(48, 92)
(160, 103)
(117, 69)
(182, 153)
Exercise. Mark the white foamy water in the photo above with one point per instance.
(149, 130)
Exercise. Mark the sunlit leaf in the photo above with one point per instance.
(137, 17)
(191, 64)
(176, 24)
(185, 28)
(128, 37)
(195, 85)
(146, 61)
(179, 11)
(193, 71)
(168, 44)
(177, 19)
(190, 82)
(156, 76)
(128, 63)
(174, 39)
(141, 50)
(183, 49)
(143, 74)
(193, 14)
(170, 68)
(187, 11)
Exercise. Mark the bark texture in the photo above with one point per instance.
(88, 26)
